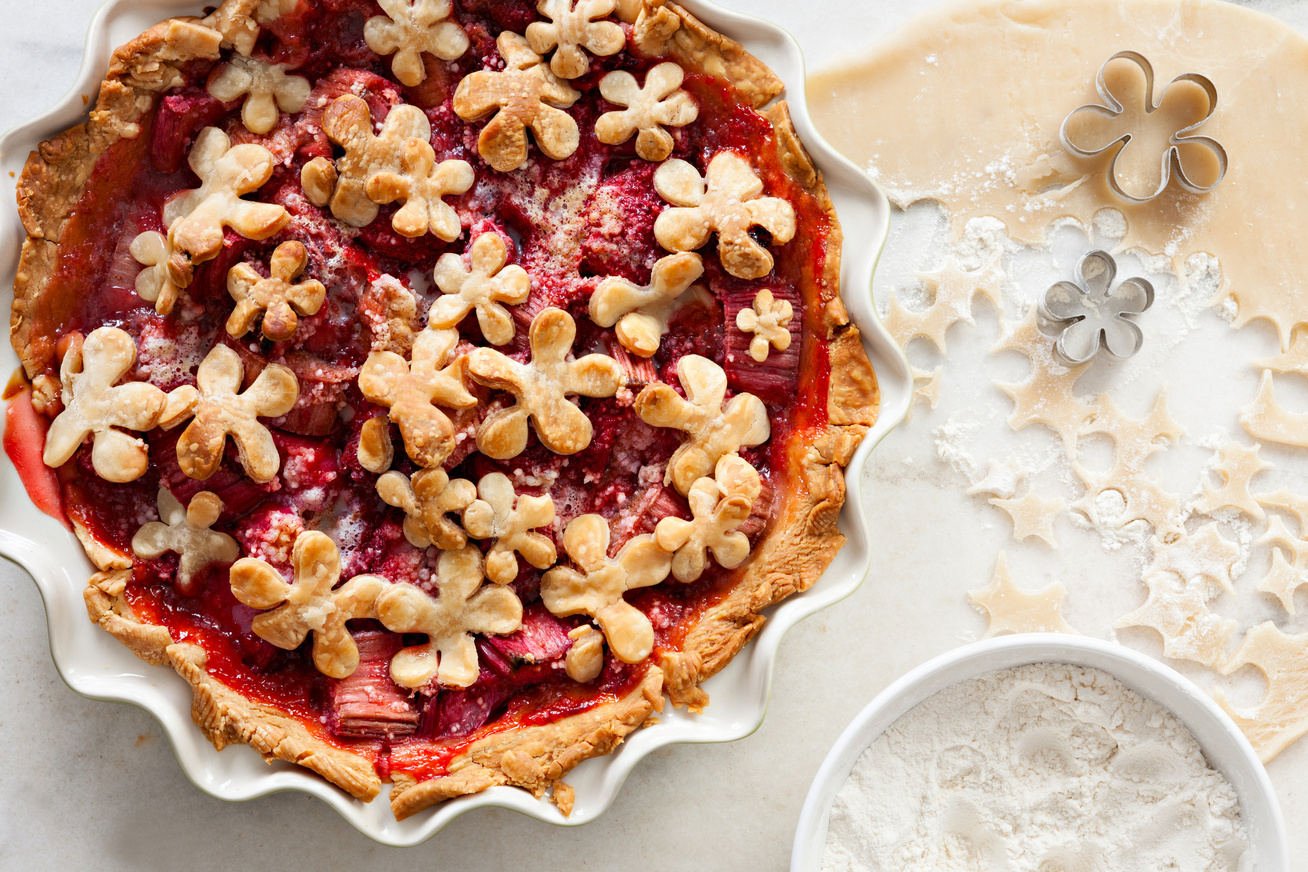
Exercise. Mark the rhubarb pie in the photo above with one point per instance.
(438, 386)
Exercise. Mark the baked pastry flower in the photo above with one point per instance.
(483, 288)
(542, 387)
(647, 109)
(410, 29)
(718, 506)
(597, 589)
(427, 499)
(641, 313)
(464, 607)
(185, 531)
(726, 201)
(310, 604)
(524, 95)
(571, 27)
(499, 513)
(280, 301)
(767, 319)
(422, 184)
(265, 86)
(1137, 172)
(713, 428)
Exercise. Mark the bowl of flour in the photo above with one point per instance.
(1048, 753)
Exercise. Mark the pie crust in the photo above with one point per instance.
(792, 545)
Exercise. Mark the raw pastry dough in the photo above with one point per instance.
(1012, 610)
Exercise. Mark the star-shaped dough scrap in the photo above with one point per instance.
(926, 388)
(1033, 515)
(954, 289)
(1283, 579)
(1290, 501)
(1046, 397)
(1264, 419)
(1001, 479)
(1178, 610)
(1293, 359)
(1282, 714)
(1013, 610)
(1133, 443)
(1196, 556)
(1237, 465)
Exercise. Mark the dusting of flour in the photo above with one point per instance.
(1047, 767)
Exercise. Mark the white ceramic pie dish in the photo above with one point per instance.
(97, 666)
(1224, 746)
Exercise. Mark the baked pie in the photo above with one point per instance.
(436, 385)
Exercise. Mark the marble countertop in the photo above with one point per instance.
(95, 785)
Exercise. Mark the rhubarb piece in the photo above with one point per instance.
(462, 712)
(366, 704)
(542, 638)
(179, 116)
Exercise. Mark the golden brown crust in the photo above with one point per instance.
(801, 543)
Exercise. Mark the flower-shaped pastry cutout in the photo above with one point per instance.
(185, 531)
(641, 313)
(713, 429)
(585, 658)
(511, 520)
(717, 507)
(156, 283)
(542, 387)
(488, 284)
(767, 320)
(411, 28)
(417, 390)
(421, 185)
(376, 452)
(221, 412)
(660, 102)
(95, 404)
(450, 654)
(343, 184)
(280, 301)
(426, 501)
(266, 88)
(310, 604)
(196, 218)
(570, 29)
(1153, 141)
(526, 95)
(598, 588)
(726, 201)
(1091, 313)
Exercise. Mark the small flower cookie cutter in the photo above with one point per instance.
(1171, 158)
(1090, 313)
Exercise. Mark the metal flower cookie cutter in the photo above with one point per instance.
(1203, 153)
(1090, 313)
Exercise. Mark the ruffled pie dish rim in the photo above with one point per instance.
(96, 665)
(1224, 746)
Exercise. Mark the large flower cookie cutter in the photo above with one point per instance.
(1090, 313)
(1172, 161)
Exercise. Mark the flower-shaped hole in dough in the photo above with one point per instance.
(95, 404)
(219, 411)
(488, 284)
(415, 391)
(185, 531)
(767, 320)
(196, 218)
(422, 185)
(597, 590)
(641, 313)
(426, 500)
(713, 430)
(411, 28)
(542, 388)
(310, 604)
(265, 86)
(726, 201)
(571, 27)
(343, 184)
(280, 301)
(511, 520)
(717, 507)
(660, 102)
(1151, 142)
(527, 96)
(1090, 313)
(450, 654)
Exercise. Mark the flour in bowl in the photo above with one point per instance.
(1048, 768)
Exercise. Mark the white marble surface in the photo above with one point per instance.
(95, 785)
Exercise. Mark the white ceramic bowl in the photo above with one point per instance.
(95, 665)
(1225, 747)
